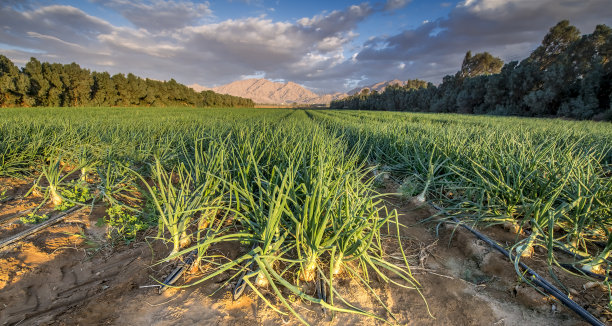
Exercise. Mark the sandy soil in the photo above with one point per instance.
(69, 274)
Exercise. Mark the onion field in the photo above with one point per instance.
(301, 191)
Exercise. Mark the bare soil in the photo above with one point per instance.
(70, 274)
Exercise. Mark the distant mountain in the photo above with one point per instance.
(263, 91)
(198, 88)
(379, 87)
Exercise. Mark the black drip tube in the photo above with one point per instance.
(178, 272)
(534, 277)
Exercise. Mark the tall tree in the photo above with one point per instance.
(480, 64)
(14, 85)
(55, 95)
(103, 90)
(77, 84)
(39, 85)
(558, 39)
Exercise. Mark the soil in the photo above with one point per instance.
(71, 274)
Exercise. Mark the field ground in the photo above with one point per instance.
(299, 188)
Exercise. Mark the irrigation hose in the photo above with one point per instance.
(241, 284)
(6, 200)
(533, 276)
(39, 227)
(10, 217)
(178, 272)
(321, 289)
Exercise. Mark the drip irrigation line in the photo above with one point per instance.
(600, 243)
(39, 227)
(241, 284)
(321, 289)
(533, 276)
(178, 272)
(2, 220)
(565, 250)
(559, 247)
(578, 256)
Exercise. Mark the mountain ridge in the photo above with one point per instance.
(263, 91)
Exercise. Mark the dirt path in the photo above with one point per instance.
(70, 275)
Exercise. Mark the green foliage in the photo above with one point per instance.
(297, 188)
(558, 39)
(480, 64)
(124, 223)
(551, 178)
(410, 187)
(74, 193)
(33, 218)
(52, 179)
(46, 84)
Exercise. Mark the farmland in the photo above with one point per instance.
(304, 195)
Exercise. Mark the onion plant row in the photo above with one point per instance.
(299, 200)
(550, 181)
(297, 191)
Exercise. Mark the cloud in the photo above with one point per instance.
(249, 2)
(395, 4)
(336, 21)
(158, 15)
(192, 51)
(50, 29)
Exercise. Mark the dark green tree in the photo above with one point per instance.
(480, 64)
(103, 92)
(558, 39)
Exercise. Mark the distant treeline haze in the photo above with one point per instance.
(568, 75)
(54, 84)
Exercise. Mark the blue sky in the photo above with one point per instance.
(325, 45)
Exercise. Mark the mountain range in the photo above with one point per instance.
(263, 91)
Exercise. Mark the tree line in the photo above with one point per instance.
(54, 84)
(568, 75)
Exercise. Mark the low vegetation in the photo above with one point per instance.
(298, 190)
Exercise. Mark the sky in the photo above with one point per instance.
(327, 46)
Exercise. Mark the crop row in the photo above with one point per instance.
(550, 181)
(299, 200)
